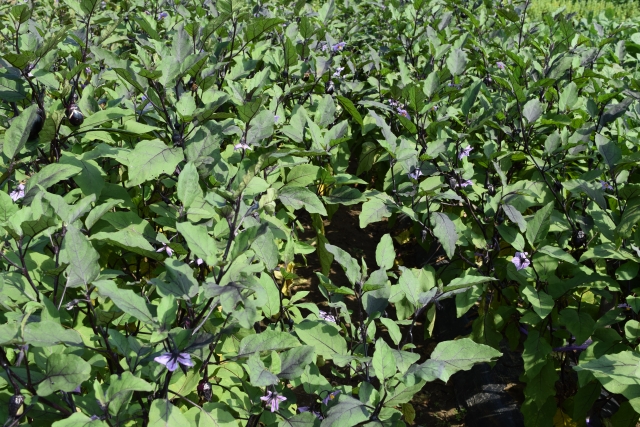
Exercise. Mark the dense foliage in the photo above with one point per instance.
(161, 160)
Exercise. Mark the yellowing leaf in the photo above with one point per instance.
(563, 420)
(408, 412)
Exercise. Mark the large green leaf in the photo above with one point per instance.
(201, 244)
(538, 226)
(126, 300)
(121, 388)
(266, 341)
(450, 357)
(16, 136)
(82, 258)
(300, 197)
(445, 231)
(150, 159)
(163, 413)
(63, 372)
(385, 253)
(346, 261)
(323, 336)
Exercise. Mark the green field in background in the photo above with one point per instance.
(588, 8)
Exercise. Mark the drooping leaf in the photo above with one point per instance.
(445, 231)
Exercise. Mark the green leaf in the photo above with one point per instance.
(383, 362)
(295, 360)
(450, 357)
(150, 159)
(468, 279)
(373, 211)
(200, 243)
(630, 218)
(78, 419)
(48, 175)
(390, 139)
(536, 349)
(580, 324)
(568, 97)
(444, 229)
(351, 109)
(182, 284)
(385, 253)
(538, 226)
(82, 258)
(49, 333)
(299, 197)
(189, 185)
(163, 413)
(259, 375)
(469, 97)
(16, 136)
(12, 90)
(457, 61)
(266, 341)
(63, 372)
(532, 110)
(266, 248)
(393, 329)
(558, 254)
(345, 196)
(121, 388)
(541, 302)
(609, 151)
(323, 336)
(303, 175)
(621, 367)
(515, 216)
(350, 265)
(126, 300)
(347, 412)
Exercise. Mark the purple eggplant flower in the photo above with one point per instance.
(18, 193)
(466, 182)
(337, 72)
(330, 396)
(338, 46)
(199, 261)
(326, 316)
(276, 118)
(500, 65)
(162, 15)
(465, 152)
(242, 146)
(520, 260)
(404, 113)
(167, 249)
(272, 398)
(415, 173)
(172, 360)
(605, 185)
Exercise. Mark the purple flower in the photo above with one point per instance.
(624, 305)
(199, 261)
(276, 118)
(171, 360)
(18, 193)
(94, 418)
(605, 185)
(465, 152)
(330, 396)
(415, 173)
(272, 398)
(326, 316)
(520, 260)
(338, 46)
(500, 65)
(404, 113)
(166, 249)
(162, 15)
(242, 146)
(338, 71)
(466, 183)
